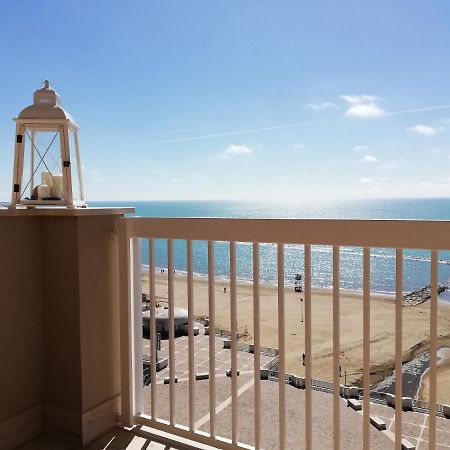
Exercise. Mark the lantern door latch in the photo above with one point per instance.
(66, 163)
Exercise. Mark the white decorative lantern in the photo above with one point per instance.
(46, 145)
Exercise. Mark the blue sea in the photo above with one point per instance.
(416, 263)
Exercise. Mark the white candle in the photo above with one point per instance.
(43, 190)
(57, 187)
(46, 178)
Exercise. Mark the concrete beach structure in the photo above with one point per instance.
(180, 319)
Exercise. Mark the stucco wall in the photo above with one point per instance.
(21, 316)
(59, 322)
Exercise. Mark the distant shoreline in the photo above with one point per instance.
(326, 289)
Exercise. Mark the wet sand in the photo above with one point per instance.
(443, 379)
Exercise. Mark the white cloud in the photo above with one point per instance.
(321, 106)
(390, 165)
(200, 177)
(366, 180)
(236, 150)
(92, 174)
(360, 148)
(362, 106)
(425, 130)
(368, 159)
(359, 99)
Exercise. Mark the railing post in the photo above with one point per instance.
(212, 337)
(433, 349)
(171, 300)
(308, 350)
(126, 335)
(190, 294)
(257, 343)
(398, 347)
(137, 327)
(336, 351)
(282, 349)
(234, 331)
(366, 347)
(152, 327)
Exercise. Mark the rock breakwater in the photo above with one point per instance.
(421, 296)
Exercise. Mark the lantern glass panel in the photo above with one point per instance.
(42, 166)
(76, 190)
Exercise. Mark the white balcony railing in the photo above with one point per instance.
(399, 235)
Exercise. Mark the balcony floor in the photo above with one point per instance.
(119, 439)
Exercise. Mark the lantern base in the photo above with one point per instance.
(49, 203)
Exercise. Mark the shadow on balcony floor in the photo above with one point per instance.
(119, 439)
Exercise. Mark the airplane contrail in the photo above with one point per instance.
(290, 125)
(185, 130)
(231, 133)
(407, 111)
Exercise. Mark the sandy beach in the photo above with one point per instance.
(443, 377)
(415, 325)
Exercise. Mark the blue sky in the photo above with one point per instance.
(239, 99)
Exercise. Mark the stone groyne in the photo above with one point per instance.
(421, 296)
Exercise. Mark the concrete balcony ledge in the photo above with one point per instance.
(64, 212)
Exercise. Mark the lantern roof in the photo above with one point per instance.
(46, 105)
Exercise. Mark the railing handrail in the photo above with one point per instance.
(414, 234)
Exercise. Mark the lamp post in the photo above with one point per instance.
(301, 308)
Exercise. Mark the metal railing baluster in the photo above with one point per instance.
(282, 349)
(398, 347)
(336, 351)
(366, 347)
(171, 300)
(190, 294)
(137, 321)
(151, 253)
(212, 333)
(234, 331)
(433, 349)
(308, 350)
(257, 346)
